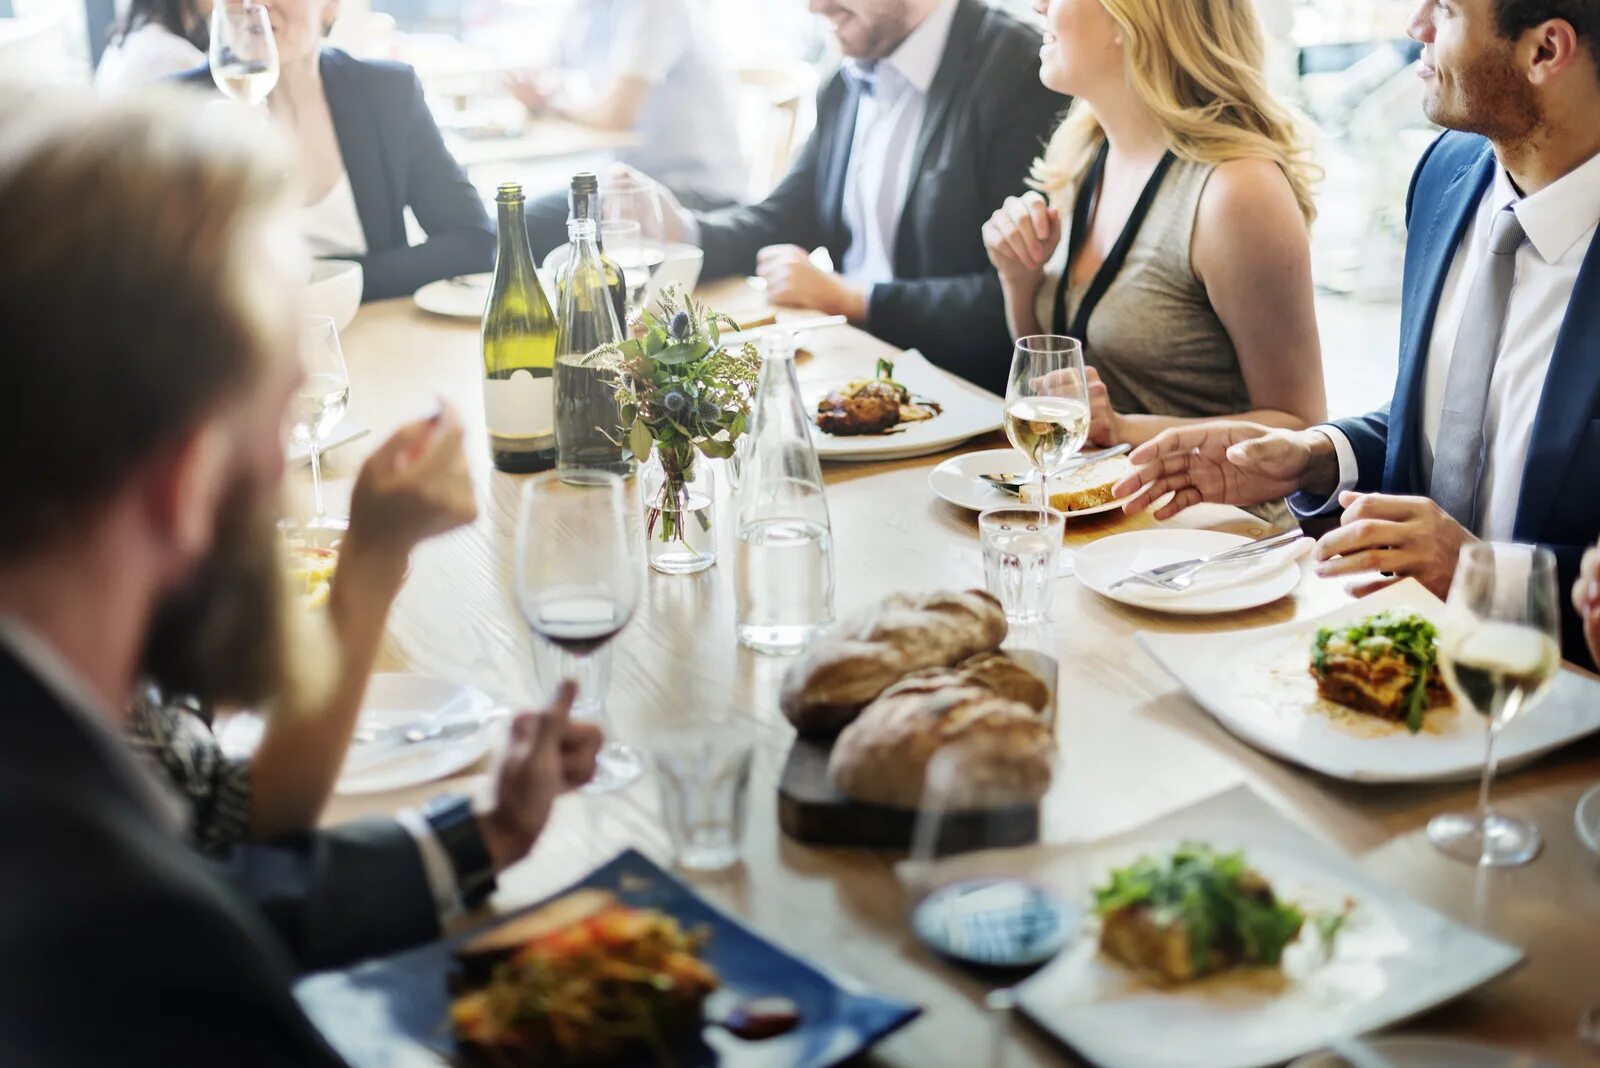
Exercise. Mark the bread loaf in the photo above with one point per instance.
(840, 674)
(1083, 487)
(883, 757)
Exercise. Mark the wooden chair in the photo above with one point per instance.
(775, 113)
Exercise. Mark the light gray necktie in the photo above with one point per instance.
(1458, 454)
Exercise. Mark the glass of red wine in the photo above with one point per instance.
(577, 586)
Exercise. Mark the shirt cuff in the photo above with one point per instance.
(436, 866)
(1305, 505)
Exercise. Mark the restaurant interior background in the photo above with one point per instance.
(1346, 62)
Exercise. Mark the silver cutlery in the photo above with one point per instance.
(1179, 576)
(377, 744)
(1013, 483)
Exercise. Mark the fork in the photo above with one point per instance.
(1180, 576)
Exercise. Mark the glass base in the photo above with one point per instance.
(617, 767)
(1494, 841)
(682, 562)
(777, 640)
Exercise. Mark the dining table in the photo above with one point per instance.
(1132, 745)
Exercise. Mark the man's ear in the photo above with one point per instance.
(1556, 47)
(186, 486)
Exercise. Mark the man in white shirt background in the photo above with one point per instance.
(1494, 428)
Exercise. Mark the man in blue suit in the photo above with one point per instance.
(1494, 428)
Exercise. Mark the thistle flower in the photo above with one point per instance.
(680, 326)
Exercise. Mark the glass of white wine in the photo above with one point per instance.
(626, 197)
(1499, 652)
(243, 54)
(1047, 405)
(319, 405)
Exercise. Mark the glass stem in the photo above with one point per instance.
(1488, 773)
(1044, 499)
(316, 476)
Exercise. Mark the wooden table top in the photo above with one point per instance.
(1133, 746)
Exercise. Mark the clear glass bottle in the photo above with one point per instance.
(783, 574)
(588, 419)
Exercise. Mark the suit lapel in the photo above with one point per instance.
(1453, 212)
(357, 134)
(948, 82)
(1569, 398)
(831, 207)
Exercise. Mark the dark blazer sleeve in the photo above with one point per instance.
(1369, 438)
(460, 236)
(341, 894)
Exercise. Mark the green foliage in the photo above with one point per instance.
(1405, 633)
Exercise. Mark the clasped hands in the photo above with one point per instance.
(1242, 463)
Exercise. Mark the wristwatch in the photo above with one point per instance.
(456, 825)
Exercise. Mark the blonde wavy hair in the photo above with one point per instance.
(1198, 65)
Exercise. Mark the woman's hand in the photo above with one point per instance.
(1021, 237)
(1103, 427)
(415, 486)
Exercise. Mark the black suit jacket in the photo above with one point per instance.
(986, 119)
(119, 945)
(396, 159)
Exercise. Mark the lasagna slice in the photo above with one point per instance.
(1385, 665)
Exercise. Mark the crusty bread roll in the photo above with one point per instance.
(1005, 749)
(844, 670)
(1083, 487)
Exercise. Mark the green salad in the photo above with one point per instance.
(1404, 633)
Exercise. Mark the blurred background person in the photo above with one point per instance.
(933, 119)
(648, 66)
(1172, 231)
(153, 41)
(1586, 599)
(368, 149)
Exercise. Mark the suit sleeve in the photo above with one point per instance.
(460, 236)
(917, 313)
(342, 894)
(1369, 438)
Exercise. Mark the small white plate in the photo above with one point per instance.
(956, 480)
(1258, 685)
(1587, 819)
(399, 699)
(1223, 588)
(1427, 1053)
(968, 412)
(462, 297)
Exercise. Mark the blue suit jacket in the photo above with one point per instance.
(396, 159)
(1560, 503)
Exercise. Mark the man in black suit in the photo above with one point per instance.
(932, 121)
(150, 290)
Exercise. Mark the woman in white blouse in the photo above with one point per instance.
(157, 40)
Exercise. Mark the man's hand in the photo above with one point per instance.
(1399, 537)
(675, 218)
(1227, 462)
(546, 756)
(531, 89)
(793, 281)
(1586, 599)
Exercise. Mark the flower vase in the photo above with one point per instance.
(680, 528)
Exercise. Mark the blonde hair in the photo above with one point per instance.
(1198, 65)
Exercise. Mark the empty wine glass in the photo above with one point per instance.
(243, 54)
(1499, 652)
(626, 197)
(319, 404)
(1047, 405)
(577, 582)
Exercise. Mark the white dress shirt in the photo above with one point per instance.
(143, 57)
(1560, 221)
(888, 120)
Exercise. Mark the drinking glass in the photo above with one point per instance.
(1499, 652)
(1020, 546)
(319, 405)
(622, 242)
(630, 198)
(704, 780)
(1047, 404)
(577, 582)
(243, 54)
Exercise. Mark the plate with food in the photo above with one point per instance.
(897, 409)
(1105, 565)
(1223, 936)
(628, 968)
(1356, 693)
(1084, 489)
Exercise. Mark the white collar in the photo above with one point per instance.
(1558, 215)
(918, 57)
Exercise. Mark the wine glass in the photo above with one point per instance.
(1499, 652)
(577, 583)
(627, 197)
(1047, 405)
(622, 242)
(243, 54)
(319, 404)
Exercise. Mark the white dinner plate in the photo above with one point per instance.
(1393, 958)
(1222, 588)
(462, 297)
(956, 480)
(400, 700)
(1257, 684)
(1427, 1053)
(968, 412)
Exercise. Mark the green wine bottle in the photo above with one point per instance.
(519, 349)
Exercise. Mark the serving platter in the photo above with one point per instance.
(1261, 690)
(968, 412)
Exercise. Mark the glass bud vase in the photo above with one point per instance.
(680, 527)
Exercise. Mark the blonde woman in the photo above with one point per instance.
(1168, 228)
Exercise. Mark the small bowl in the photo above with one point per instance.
(335, 290)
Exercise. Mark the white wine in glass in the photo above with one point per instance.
(243, 53)
(1047, 404)
(1499, 653)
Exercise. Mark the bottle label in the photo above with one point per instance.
(520, 406)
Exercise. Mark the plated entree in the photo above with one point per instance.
(872, 406)
(1385, 665)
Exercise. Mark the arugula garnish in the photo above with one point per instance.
(1406, 633)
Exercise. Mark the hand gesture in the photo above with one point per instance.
(415, 486)
(793, 281)
(1021, 237)
(1223, 462)
(1397, 537)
